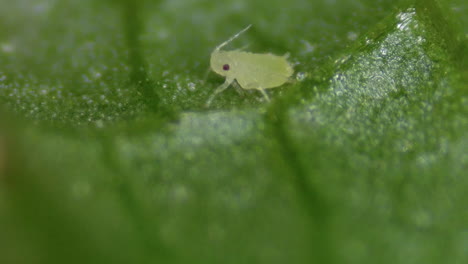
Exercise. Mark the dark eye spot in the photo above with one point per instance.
(226, 67)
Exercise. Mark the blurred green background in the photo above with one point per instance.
(108, 154)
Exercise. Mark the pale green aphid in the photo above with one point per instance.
(249, 70)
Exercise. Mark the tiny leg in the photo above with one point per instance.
(265, 95)
(238, 88)
(220, 88)
(206, 75)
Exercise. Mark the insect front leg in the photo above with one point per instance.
(220, 88)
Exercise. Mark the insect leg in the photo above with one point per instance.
(220, 88)
(238, 88)
(206, 74)
(265, 95)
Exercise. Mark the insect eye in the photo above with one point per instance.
(226, 67)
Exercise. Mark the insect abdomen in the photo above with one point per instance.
(261, 71)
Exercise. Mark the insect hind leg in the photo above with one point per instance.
(265, 95)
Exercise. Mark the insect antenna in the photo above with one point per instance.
(232, 38)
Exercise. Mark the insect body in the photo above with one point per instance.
(249, 70)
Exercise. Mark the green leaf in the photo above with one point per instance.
(108, 153)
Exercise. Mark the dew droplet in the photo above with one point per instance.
(300, 76)
(191, 86)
